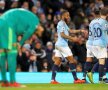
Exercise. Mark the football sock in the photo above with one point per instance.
(54, 71)
(12, 55)
(73, 70)
(101, 72)
(3, 66)
(87, 68)
(95, 67)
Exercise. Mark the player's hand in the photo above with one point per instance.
(74, 39)
(18, 45)
(83, 31)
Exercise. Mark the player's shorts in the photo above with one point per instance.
(7, 37)
(62, 51)
(96, 51)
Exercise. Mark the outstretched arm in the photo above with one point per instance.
(70, 38)
(76, 31)
(27, 35)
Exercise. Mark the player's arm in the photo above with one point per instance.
(27, 35)
(73, 39)
(76, 31)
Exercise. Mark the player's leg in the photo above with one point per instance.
(3, 68)
(105, 68)
(12, 55)
(72, 66)
(88, 65)
(95, 67)
(102, 55)
(87, 69)
(101, 69)
(55, 68)
(11, 59)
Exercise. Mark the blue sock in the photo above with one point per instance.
(87, 68)
(73, 70)
(101, 71)
(54, 71)
(105, 68)
(95, 67)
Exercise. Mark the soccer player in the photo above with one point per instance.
(13, 23)
(97, 43)
(62, 49)
(89, 73)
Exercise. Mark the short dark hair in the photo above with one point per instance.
(104, 11)
(97, 11)
(63, 12)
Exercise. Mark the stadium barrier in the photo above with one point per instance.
(41, 77)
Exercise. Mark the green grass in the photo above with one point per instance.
(60, 87)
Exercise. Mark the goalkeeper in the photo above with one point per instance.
(13, 23)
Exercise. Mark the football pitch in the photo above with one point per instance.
(60, 87)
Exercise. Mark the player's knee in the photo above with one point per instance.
(89, 59)
(71, 59)
(102, 61)
(57, 61)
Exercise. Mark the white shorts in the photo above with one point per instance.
(62, 51)
(96, 51)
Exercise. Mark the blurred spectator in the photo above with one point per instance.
(49, 53)
(23, 58)
(19, 38)
(78, 19)
(2, 6)
(38, 5)
(45, 66)
(15, 4)
(79, 50)
(40, 53)
(90, 8)
(25, 5)
(39, 33)
(79, 68)
(99, 4)
(85, 24)
(33, 59)
(34, 9)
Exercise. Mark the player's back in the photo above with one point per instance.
(20, 19)
(62, 27)
(91, 36)
(100, 32)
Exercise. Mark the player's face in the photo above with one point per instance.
(67, 17)
(107, 17)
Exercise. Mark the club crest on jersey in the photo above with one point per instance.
(106, 25)
(63, 28)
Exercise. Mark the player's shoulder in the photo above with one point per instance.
(96, 20)
(92, 22)
(61, 23)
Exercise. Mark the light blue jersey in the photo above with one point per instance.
(90, 38)
(98, 32)
(62, 27)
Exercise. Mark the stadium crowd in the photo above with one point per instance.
(36, 55)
